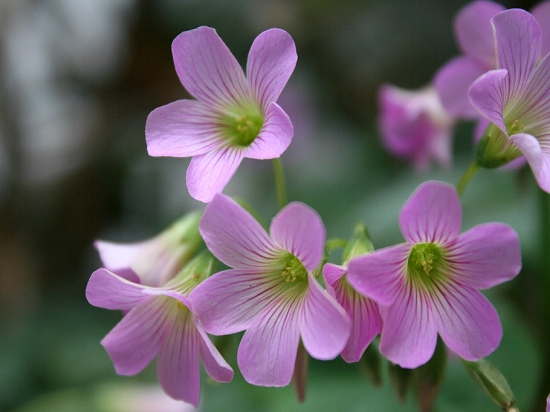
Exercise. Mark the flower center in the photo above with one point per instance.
(181, 306)
(242, 129)
(426, 264)
(515, 127)
(294, 270)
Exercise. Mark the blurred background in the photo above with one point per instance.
(77, 81)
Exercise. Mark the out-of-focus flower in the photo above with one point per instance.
(155, 261)
(429, 284)
(233, 117)
(414, 125)
(159, 321)
(270, 292)
(515, 97)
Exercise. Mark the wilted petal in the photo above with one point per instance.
(209, 173)
(214, 364)
(268, 348)
(486, 255)
(325, 326)
(518, 41)
(474, 31)
(432, 214)
(207, 69)
(409, 330)
(379, 275)
(488, 96)
(182, 128)
(271, 61)
(466, 321)
(298, 229)
(138, 337)
(452, 82)
(235, 237)
(274, 137)
(178, 360)
(110, 291)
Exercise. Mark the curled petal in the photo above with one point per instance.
(487, 95)
(409, 329)
(466, 321)
(208, 70)
(138, 337)
(235, 237)
(538, 160)
(380, 274)
(209, 173)
(267, 352)
(299, 229)
(486, 255)
(271, 61)
(214, 364)
(432, 214)
(182, 128)
(274, 137)
(110, 291)
(325, 326)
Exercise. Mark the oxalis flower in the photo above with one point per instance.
(233, 117)
(270, 291)
(429, 284)
(515, 97)
(159, 321)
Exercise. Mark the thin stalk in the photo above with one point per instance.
(466, 177)
(280, 186)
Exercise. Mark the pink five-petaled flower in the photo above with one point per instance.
(158, 321)
(233, 117)
(515, 97)
(270, 292)
(429, 284)
(415, 125)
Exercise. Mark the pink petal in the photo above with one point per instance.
(363, 312)
(274, 137)
(138, 337)
(324, 324)
(518, 39)
(466, 321)
(409, 329)
(236, 238)
(271, 61)
(432, 214)
(452, 82)
(181, 129)
(538, 160)
(268, 348)
(178, 360)
(208, 70)
(380, 274)
(541, 12)
(214, 364)
(209, 173)
(229, 301)
(116, 256)
(486, 255)
(109, 291)
(488, 96)
(474, 31)
(299, 229)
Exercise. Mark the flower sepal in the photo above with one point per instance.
(360, 244)
(495, 149)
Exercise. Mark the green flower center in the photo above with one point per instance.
(294, 270)
(426, 264)
(242, 128)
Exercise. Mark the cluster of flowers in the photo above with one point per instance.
(172, 294)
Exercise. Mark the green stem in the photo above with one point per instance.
(280, 182)
(466, 177)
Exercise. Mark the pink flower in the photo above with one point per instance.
(233, 117)
(155, 261)
(429, 284)
(270, 292)
(363, 312)
(515, 97)
(414, 125)
(158, 321)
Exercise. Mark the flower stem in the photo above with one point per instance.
(280, 182)
(466, 177)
